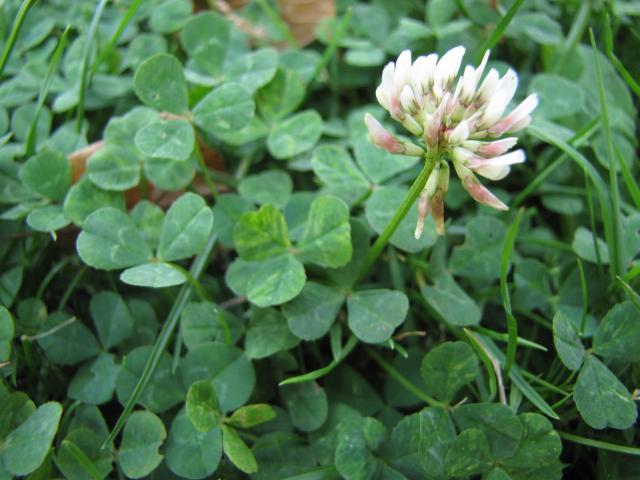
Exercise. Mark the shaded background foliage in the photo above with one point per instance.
(149, 133)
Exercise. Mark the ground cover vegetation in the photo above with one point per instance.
(277, 239)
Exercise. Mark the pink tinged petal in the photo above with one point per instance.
(520, 113)
(459, 134)
(381, 136)
(520, 125)
(482, 195)
(423, 211)
(437, 212)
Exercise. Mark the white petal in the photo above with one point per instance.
(381, 95)
(448, 66)
(510, 158)
(460, 133)
(402, 74)
(408, 100)
(489, 85)
(387, 77)
(493, 172)
(508, 84)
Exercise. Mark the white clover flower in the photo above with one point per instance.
(461, 121)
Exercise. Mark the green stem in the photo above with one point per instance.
(407, 203)
(279, 23)
(205, 172)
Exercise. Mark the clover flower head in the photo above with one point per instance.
(461, 120)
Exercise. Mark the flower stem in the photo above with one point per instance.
(407, 203)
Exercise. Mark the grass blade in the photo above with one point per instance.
(84, 461)
(131, 11)
(608, 48)
(321, 372)
(512, 324)
(44, 89)
(615, 242)
(589, 442)
(629, 180)
(497, 33)
(85, 74)
(163, 338)
(631, 293)
(15, 30)
(279, 23)
(331, 48)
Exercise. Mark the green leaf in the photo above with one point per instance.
(110, 240)
(281, 96)
(451, 302)
(95, 382)
(80, 456)
(26, 447)
(122, 130)
(153, 275)
(419, 443)
(253, 70)
(447, 368)
(226, 212)
(205, 38)
(159, 83)
(251, 415)
(227, 366)
(168, 174)
(111, 317)
(169, 15)
(334, 166)
(378, 164)
(479, 257)
(307, 405)
(602, 400)
(618, 336)
(49, 218)
(558, 97)
(313, 311)
(48, 174)
(268, 334)
(201, 322)
(186, 228)
(115, 167)
(380, 208)
(85, 198)
(355, 446)
(296, 134)
(163, 390)
(6, 334)
(262, 234)
(497, 421)
(537, 456)
(143, 435)
(202, 407)
(567, 341)
(348, 386)
(229, 107)
(66, 340)
(282, 455)
(184, 440)
(172, 139)
(374, 314)
(271, 186)
(237, 451)
(276, 281)
(468, 454)
(583, 245)
(326, 240)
